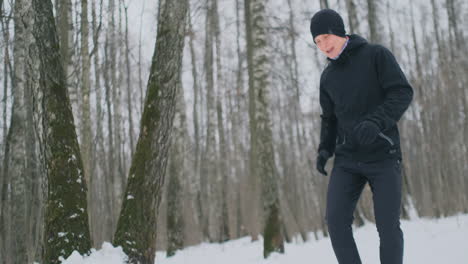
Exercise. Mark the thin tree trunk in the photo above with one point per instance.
(86, 133)
(208, 166)
(435, 18)
(65, 33)
(110, 176)
(253, 181)
(129, 89)
(375, 28)
(4, 178)
(136, 229)
(111, 96)
(140, 78)
(238, 129)
(324, 4)
(118, 174)
(120, 136)
(223, 147)
(353, 22)
(103, 228)
(196, 128)
(176, 174)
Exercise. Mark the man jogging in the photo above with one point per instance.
(363, 94)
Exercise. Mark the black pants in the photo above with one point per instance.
(347, 181)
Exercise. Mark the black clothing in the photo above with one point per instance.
(327, 21)
(347, 181)
(366, 132)
(364, 83)
(321, 161)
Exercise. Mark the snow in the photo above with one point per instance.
(106, 255)
(428, 241)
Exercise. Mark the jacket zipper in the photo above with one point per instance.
(382, 135)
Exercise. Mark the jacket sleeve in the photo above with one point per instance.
(328, 124)
(397, 90)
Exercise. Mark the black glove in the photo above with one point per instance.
(366, 132)
(322, 160)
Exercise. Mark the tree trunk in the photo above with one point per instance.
(129, 89)
(223, 147)
(238, 129)
(375, 28)
(102, 230)
(253, 181)
(110, 176)
(262, 139)
(86, 133)
(324, 4)
(209, 186)
(4, 178)
(136, 229)
(353, 22)
(15, 158)
(117, 171)
(65, 29)
(176, 173)
(66, 195)
(196, 129)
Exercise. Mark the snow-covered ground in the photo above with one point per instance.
(426, 242)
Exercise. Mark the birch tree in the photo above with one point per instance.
(15, 159)
(262, 138)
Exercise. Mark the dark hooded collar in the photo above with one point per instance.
(355, 41)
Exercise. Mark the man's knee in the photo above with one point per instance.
(338, 221)
(390, 232)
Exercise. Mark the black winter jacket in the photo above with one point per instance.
(364, 83)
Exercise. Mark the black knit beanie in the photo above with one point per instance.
(327, 21)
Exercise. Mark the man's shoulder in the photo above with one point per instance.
(376, 48)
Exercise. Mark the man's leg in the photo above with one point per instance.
(344, 188)
(385, 181)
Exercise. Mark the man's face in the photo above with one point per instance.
(330, 44)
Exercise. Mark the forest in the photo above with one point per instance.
(156, 125)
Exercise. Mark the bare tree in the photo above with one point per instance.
(375, 27)
(177, 173)
(353, 21)
(102, 230)
(15, 158)
(223, 147)
(209, 169)
(136, 226)
(66, 192)
(262, 138)
(86, 132)
(129, 89)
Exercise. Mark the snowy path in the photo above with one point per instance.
(443, 241)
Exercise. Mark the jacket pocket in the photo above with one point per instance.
(387, 138)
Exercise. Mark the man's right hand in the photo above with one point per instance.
(322, 158)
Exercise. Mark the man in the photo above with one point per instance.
(363, 94)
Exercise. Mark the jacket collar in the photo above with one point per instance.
(355, 41)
